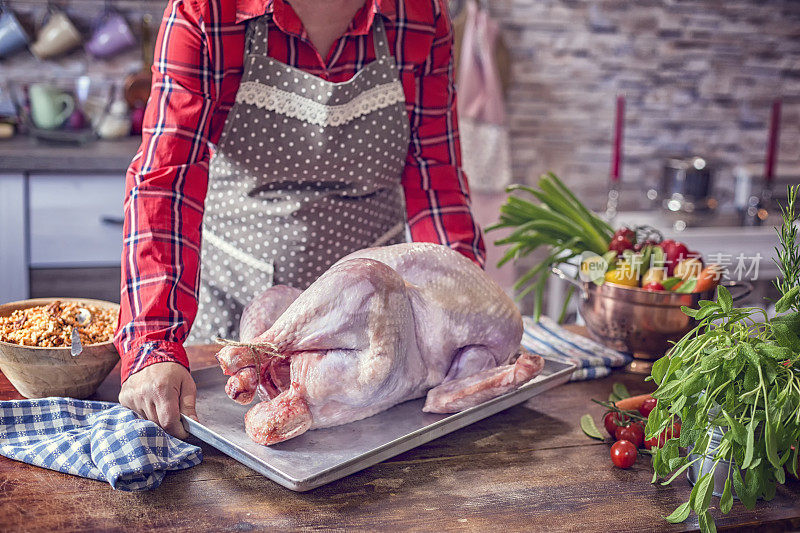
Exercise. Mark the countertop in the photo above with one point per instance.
(25, 154)
(529, 468)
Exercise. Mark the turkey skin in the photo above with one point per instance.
(380, 327)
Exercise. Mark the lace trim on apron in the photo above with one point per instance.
(305, 109)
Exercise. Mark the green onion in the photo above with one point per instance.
(555, 220)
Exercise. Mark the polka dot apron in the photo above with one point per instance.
(306, 171)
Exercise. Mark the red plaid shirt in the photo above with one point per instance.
(196, 73)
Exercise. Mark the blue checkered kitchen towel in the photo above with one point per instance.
(98, 440)
(551, 341)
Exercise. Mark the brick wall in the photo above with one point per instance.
(699, 77)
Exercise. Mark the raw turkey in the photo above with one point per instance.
(381, 326)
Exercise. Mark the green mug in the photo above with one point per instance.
(50, 108)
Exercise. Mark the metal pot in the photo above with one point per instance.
(686, 185)
(643, 323)
(701, 468)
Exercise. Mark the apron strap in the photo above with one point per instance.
(379, 39)
(251, 30)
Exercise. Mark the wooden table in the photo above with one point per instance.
(529, 468)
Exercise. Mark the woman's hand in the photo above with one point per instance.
(161, 392)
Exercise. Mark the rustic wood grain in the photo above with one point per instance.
(529, 468)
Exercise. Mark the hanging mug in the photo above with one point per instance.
(50, 107)
(12, 36)
(111, 36)
(58, 36)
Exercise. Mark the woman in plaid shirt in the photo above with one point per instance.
(333, 127)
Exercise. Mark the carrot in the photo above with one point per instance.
(633, 403)
(708, 279)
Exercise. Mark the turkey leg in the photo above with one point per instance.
(459, 394)
(283, 417)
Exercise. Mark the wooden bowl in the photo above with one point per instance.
(41, 372)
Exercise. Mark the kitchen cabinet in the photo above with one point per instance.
(75, 220)
(60, 235)
(13, 238)
(61, 218)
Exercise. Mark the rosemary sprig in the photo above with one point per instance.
(788, 250)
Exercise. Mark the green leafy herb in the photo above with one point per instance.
(726, 501)
(737, 372)
(618, 392)
(588, 426)
(680, 514)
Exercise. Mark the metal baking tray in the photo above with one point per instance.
(320, 456)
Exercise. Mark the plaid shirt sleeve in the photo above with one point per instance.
(164, 196)
(436, 190)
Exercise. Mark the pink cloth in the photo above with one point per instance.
(480, 91)
(482, 120)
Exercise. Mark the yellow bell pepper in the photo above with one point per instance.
(624, 274)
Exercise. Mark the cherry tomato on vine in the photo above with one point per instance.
(633, 433)
(612, 421)
(623, 454)
(647, 406)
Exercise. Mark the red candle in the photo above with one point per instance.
(772, 144)
(616, 157)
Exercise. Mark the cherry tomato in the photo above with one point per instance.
(633, 433)
(623, 454)
(620, 244)
(612, 421)
(658, 442)
(653, 286)
(647, 406)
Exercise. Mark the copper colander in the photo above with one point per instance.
(643, 323)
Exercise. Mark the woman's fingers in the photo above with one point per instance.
(169, 417)
(150, 412)
(188, 398)
(128, 398)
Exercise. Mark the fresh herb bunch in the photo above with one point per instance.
(559, 221)
(738, 371)
(788, 251)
